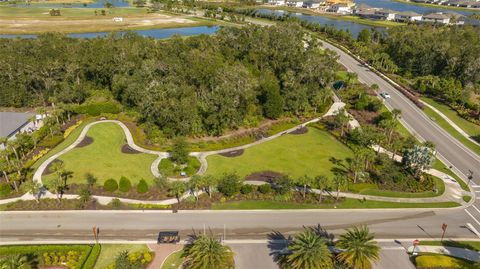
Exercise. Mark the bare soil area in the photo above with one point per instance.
(129, 150)
(85, 142)
(234, 153)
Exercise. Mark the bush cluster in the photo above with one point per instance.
(124, 185)
(92, 258)
(142, 186)
(95, 109)
(110, 185)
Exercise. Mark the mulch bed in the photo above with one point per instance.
(48, 170)
(267, 176)
(298, 131)
(152, 194)
(85, 142)
(71, 122)
(363, 116)
(129, 150)
(233, 153)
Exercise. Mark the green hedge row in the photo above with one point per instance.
(96, 109)
(92, 258)
(40, 249)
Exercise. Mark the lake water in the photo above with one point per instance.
(153, 33)
(398, 6)
(352, 27)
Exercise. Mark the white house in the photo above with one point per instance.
(340, 8)
(408, 17)
(385, 14)
(436, 18)
(294, 3)
(276, 2)
(13, 123)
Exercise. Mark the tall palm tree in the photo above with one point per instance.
(308, 250)
(15, 262)
(359, 249)
(205, 252)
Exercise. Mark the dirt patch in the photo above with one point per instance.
(49, 169)
(233, 153)
(267, 176)
(85, 142)
(74, 120)
(298, 131)
(129, 150)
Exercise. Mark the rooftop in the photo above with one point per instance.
(11, 121)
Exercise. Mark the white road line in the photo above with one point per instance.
(472, 217)
(476, 208)
(471, 228)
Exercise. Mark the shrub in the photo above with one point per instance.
(246, 189)
(142, 186)
(116, 203)
(5, 190)
(229, 184)
(51, 141)
(110, 185)
(95, 109)
(265, 188)
(124, 185)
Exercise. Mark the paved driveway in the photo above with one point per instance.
(253, 256)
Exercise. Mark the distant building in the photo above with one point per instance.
(313, 4)
(294, 3)
(276, 2)
(408, 17)
(385, 14)
(13, 123)
(340, 8)
(436, 18)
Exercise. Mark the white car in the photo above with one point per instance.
(385, 95)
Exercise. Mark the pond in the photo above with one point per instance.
(153, 33)
(399, 6)
(352, 27)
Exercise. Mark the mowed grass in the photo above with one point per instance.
(348, 203)
(472, 245)
(294, 155)
(434, 261)
(110, 251)
(173, 261)
(104, 158)
(43, 13)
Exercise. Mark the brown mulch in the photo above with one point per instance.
(267, 176)
(48, 170)
(129, 150)
(152, 194)
(233, 153)
(71, 122)
(298, 131)
(363, 116)
(85, 142)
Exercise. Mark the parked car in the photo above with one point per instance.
(385, 95)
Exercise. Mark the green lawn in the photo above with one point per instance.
(173, 261)
(346, 204)
(447, 127)
(472, 245)
(110, 251)
(469, 127)
(42, 13)
(295, 155)
(167, 167)
(374, 191)
(435, 261)
(104, 159)
(438, 165)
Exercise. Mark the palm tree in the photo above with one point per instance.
(207, 252)
(358, 248)
(194, 185)
(177, 189)
(322, 183)
(304, 182)
(308, 250)
(15, 262)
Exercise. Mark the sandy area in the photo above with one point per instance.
(94, 24)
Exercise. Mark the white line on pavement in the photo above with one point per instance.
(476, 208)
(472, 217)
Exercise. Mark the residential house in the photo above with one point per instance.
(313, 4)
(436, 18)
(276, 2)
(385, 14)
(294, 3)
(408, 17)
(340, 9)
(13, 123)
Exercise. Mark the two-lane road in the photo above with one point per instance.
(449, 148)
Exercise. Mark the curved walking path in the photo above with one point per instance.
(449, 121)
(453, 191)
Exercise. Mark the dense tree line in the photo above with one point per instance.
(194, 86)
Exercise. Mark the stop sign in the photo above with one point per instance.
(416, 242)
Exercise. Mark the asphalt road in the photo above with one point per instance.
(424, 128)
(138, 225)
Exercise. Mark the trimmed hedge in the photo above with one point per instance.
(38, 250)
(92, 258)
(96, 109)
(110, 185)
(142, 186)
(124, 185)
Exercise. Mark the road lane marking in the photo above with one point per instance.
(476, 208)
(471, 228)
(472, 217)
